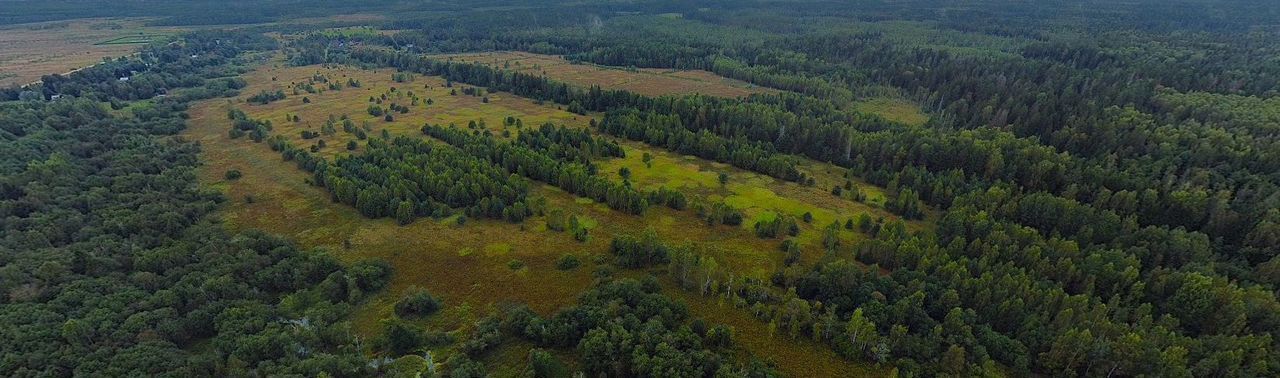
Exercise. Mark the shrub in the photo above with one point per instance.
(568, 262)
(418, 303)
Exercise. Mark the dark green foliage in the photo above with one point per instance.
(779, 226)
(1107, 196)
(417, 303)
(370, 275)
(407, 178)
(639, 251)
(567, 144)
(669, 197)
(461, 366)
(719, 336)
(401, 338)
(568, 262)
(577, 229)
(572, 177)
(515, 264)
(906, 204)
(717, 213)
(628, 328)
(232, 174)
(484, 337)
(241, 125)
(668, 132)
(265, 97)
(557, 220)
(543, 365)
(113, 267)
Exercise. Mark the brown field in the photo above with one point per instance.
(657, 82)
(466, 265)
(646, 81)
(29, 51)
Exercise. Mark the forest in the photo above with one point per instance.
(1095, 192)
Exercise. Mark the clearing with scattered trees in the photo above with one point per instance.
(639, 188)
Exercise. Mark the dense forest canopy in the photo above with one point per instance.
(1101, 183)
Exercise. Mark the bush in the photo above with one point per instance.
(515, 264)
(543, 365)
(418, 303)
(370, 275)
(233, 174)
(460, 366)
(719, 336)
(401, 338)
(568, 262)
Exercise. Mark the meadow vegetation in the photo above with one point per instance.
(469, 261)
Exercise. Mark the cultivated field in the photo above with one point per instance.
(29, 51)
(646, 81)
(470, 265)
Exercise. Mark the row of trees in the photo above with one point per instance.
(568, 144)
(406, 178)
(668, 132)
(573, 177)
(639, 251)
(1139, 200)
(266, 97)
(974, 92)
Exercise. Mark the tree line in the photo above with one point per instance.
(669, 133)
(573, 177)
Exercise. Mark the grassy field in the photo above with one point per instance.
(646, 81)
(29, 51)
(657, 82)
(893, 109)
(468, 265)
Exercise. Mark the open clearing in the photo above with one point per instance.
(893, 109)
(467, 265)
(658, 82)
(646, 81)
(29, 51)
